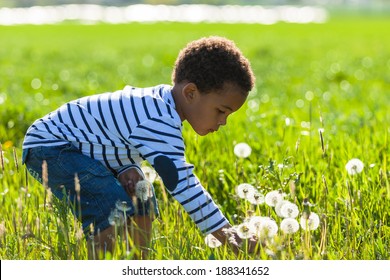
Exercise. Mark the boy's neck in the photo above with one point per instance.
(178, 98)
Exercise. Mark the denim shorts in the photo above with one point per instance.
(101, 198)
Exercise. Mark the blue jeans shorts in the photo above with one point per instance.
(101, 201)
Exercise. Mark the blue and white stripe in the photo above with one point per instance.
(121, 129)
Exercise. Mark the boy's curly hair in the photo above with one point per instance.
(210, 62)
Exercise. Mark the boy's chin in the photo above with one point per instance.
(206, 132)
(202, 132)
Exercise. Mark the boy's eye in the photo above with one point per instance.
(220, 111)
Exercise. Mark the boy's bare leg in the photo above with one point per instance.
(101, 243)
(139, 226)
(142, 234)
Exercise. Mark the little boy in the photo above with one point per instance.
(102, 140)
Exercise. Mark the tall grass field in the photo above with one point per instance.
(321, 99)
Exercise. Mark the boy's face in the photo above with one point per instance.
(207, 112)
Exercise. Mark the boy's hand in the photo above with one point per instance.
(129, 179)
(227, 235)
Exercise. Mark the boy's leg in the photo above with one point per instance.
(139, 230)
(143, 234)
(96, 197)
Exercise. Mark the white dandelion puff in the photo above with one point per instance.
(242, 150)
(116, 218)
(310, 223)
(273, 198)
(244, 231)
(263, 227)
(289, 210)
(255, 223)
(150, 173)
(278, 207)
(143, 190)
(354, 166)
(269, 228)
(289, 225)
(122, 206)
(245, 190)
(256, 198)
(211, 241)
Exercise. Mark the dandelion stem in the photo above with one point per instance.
(1, 158)
(16, 159)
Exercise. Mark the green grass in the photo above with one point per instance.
(334, 76)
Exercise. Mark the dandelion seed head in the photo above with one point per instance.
(354, 166)
(270, 253)
(289, 210)
(289, 225)
(116, 218)
(211, 241)
(311, 222)
(122, 206)
(242, 150)
(262, 227)
(255, 223)
(278, 207)
(273, 198)
(244, 231)
(245, 190)
(268, 228)
(143, 190)
(150, 173)
(257, 198)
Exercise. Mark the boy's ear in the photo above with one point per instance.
(190, 92)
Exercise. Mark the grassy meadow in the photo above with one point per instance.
(321, 98)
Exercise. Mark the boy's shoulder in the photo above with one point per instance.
(156, 101)
(159, 91)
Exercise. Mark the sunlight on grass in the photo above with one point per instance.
(319, 102)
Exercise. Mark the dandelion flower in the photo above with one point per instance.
(354, 166)
(116, 218)
(244, 231)
(311, 222)
(256, 198)
(273, 197)
(211, 241)
(263, 226)
(278, 207)
(289, 225)
(143, 190)
(269, 228)
(242, 150)
(289, 210)
(122, 206)
(245, 190)
(150, 173)
(255, 223)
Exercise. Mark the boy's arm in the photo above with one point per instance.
(160, 142)
(129, 177)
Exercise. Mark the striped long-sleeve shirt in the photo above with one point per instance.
(124, 127)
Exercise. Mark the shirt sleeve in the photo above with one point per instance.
(160, 142)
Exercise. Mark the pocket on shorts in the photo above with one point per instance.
(72, 161)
